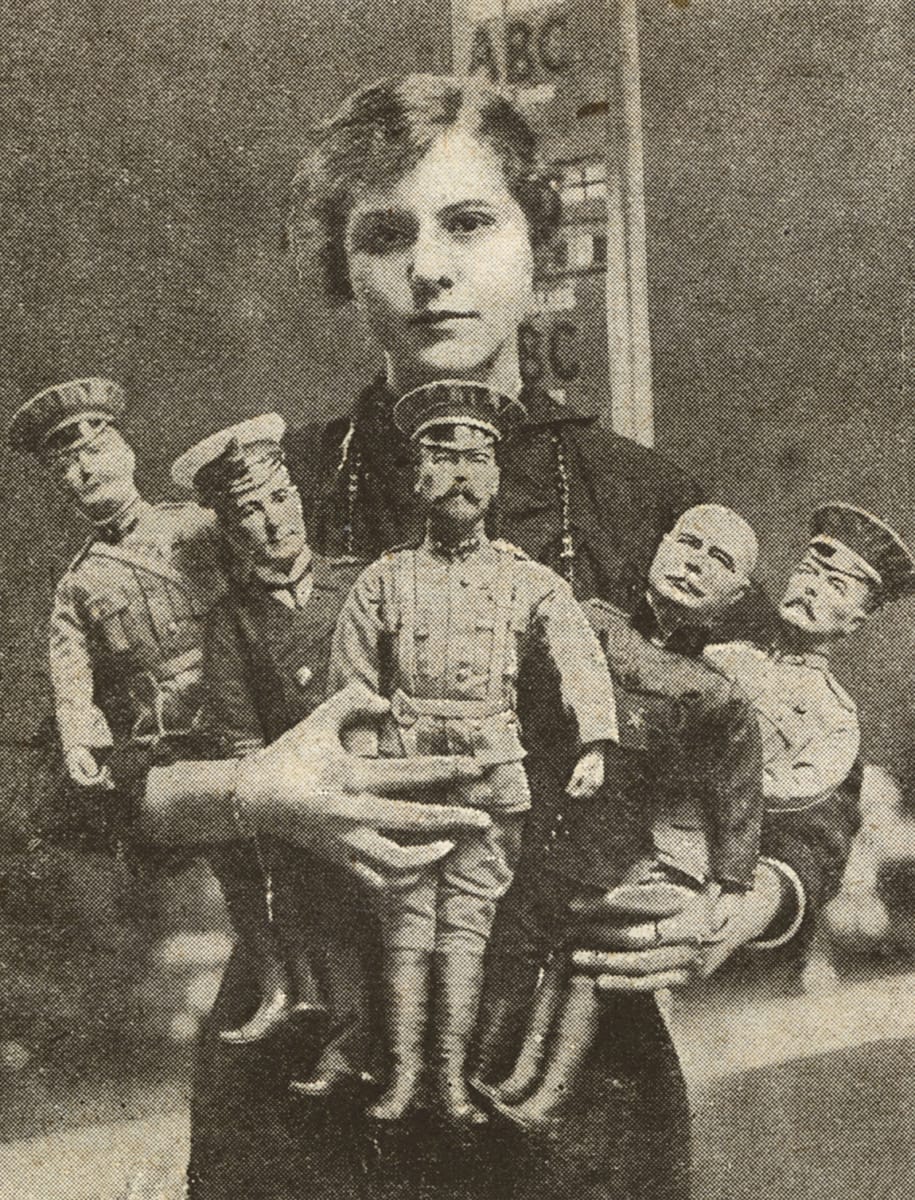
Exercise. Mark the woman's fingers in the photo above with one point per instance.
(649, 961)
(393, 775)
(366, 875)
(383, 852)
(323, 726)
(407, 817)
(642, 983)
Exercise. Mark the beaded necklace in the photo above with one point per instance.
(567, 553)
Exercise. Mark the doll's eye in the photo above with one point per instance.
(723, 557)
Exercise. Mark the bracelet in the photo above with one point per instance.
(238, 816)
(247, 834)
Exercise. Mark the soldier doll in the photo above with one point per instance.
(127, 619)
(266, 655)
(853, 565)
(677, 825)
(443, 629)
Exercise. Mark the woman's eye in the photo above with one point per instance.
(470, 221)
(382, 235)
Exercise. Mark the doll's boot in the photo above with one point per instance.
(569, 1050)
(336, 1067)
(529, 1064)
(245, 890)
(459, 981)
(406, 1004)
(273, 1010)
(341, 1061)
(308, 1002)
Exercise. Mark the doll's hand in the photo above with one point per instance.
(85, 771)
(588, 775)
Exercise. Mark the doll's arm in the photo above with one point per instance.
(230, 716)
(584, 678)
(355, 654)
(81, 723)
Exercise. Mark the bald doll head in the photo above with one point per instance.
(703, 565)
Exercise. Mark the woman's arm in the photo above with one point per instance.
(306, 789)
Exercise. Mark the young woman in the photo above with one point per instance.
(429, 206)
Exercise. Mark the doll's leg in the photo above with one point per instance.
(292, 922)
(337, 936)
(527, 941)
(570, 1046)
(408, 921)
(475, 876)
(510, 977)
(237, 868)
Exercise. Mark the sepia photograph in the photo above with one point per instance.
(457, 636)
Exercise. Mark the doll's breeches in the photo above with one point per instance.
(453, 906)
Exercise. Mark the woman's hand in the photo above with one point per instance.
(307, 789)
(645, 956)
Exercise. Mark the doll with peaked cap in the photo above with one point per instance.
(266, 655)
(443, 629)
(127, 620)
(853, 565)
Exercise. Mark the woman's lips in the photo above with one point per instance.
(430, 318)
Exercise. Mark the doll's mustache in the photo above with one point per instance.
(459, 490)
(801, 602)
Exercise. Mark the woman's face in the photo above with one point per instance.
(441, 266)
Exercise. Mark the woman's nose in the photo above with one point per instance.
(430, 270)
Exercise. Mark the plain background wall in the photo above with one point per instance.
(146, 147)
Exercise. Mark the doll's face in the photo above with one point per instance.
(441, 265)
(823, 602)
(97, 476)
(457, 481)
(703, 565)
(267, 525)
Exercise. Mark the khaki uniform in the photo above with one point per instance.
(808, 722)
(127, 628)
(445, 637)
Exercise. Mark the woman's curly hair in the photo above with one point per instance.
(382, 132)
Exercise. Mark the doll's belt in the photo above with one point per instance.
(406, 710)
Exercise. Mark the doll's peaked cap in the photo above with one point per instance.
(66, 415)
(233, 461)
(872, 549)
(457, 402)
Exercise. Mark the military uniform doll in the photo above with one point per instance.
(266, 655)
(678, 824)
(853, 565)
(127, 620)
(443, 628)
